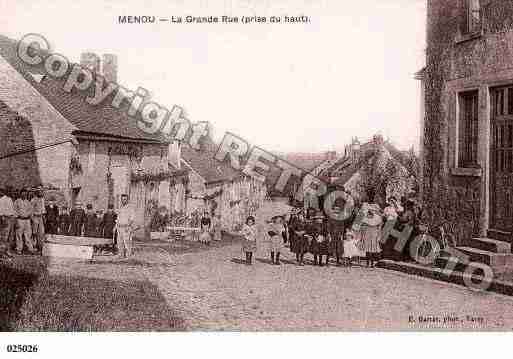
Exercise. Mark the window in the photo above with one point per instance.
(468, 129)
(472, 16)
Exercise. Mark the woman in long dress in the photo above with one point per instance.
(371, 232)
(249, 232)
(275, 233)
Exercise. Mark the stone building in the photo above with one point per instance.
(215, 186)
(55, 139)
(467, 122)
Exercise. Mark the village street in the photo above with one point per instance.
(212, 290)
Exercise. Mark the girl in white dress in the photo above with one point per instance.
(249, 232)
(350, 248)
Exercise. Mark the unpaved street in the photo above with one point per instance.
(212, 290)
(217, 292)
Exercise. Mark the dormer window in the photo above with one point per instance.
(472, 16)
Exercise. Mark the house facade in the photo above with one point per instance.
(216, 187)
(91, 154)
(467, 122)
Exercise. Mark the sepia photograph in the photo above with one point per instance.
(256, 166)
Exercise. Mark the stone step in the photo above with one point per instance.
(453, 262)
(491, 245)
(490, 258)
(445, 262)
(456, 277)
(500, 235)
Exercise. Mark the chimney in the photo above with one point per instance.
(91, 61)
(110, 67)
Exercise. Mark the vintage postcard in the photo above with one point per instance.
(256, 166)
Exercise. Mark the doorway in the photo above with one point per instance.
(501, 159)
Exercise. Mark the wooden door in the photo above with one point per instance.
(501, 159)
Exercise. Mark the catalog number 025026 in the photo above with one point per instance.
(19, 348)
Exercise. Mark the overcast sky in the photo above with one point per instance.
(284, 87)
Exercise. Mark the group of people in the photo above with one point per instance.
(25, 218)
(349, 232)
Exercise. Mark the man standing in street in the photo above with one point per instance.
(38, 212)
(108, 223)
(124, 224)
(52, 217)
(23, 210)
(77, 215)
(6, 221)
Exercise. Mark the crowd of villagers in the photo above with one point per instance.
(352, 233)
(26, 217)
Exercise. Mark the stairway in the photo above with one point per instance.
(494, 251)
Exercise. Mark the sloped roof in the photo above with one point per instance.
(346, 167)
(204, 163)
(102, 119)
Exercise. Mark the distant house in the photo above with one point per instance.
(215, 186)
(92, 154)
(375, 165)
(314, 165)
(467, 122)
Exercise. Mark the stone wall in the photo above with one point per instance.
(455, 62)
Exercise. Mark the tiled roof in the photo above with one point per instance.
(101, 119)
(204, 163)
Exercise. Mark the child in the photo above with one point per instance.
(206, 228)
(276, 238)
(371, 232)
(249, 232)
(350, 248)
